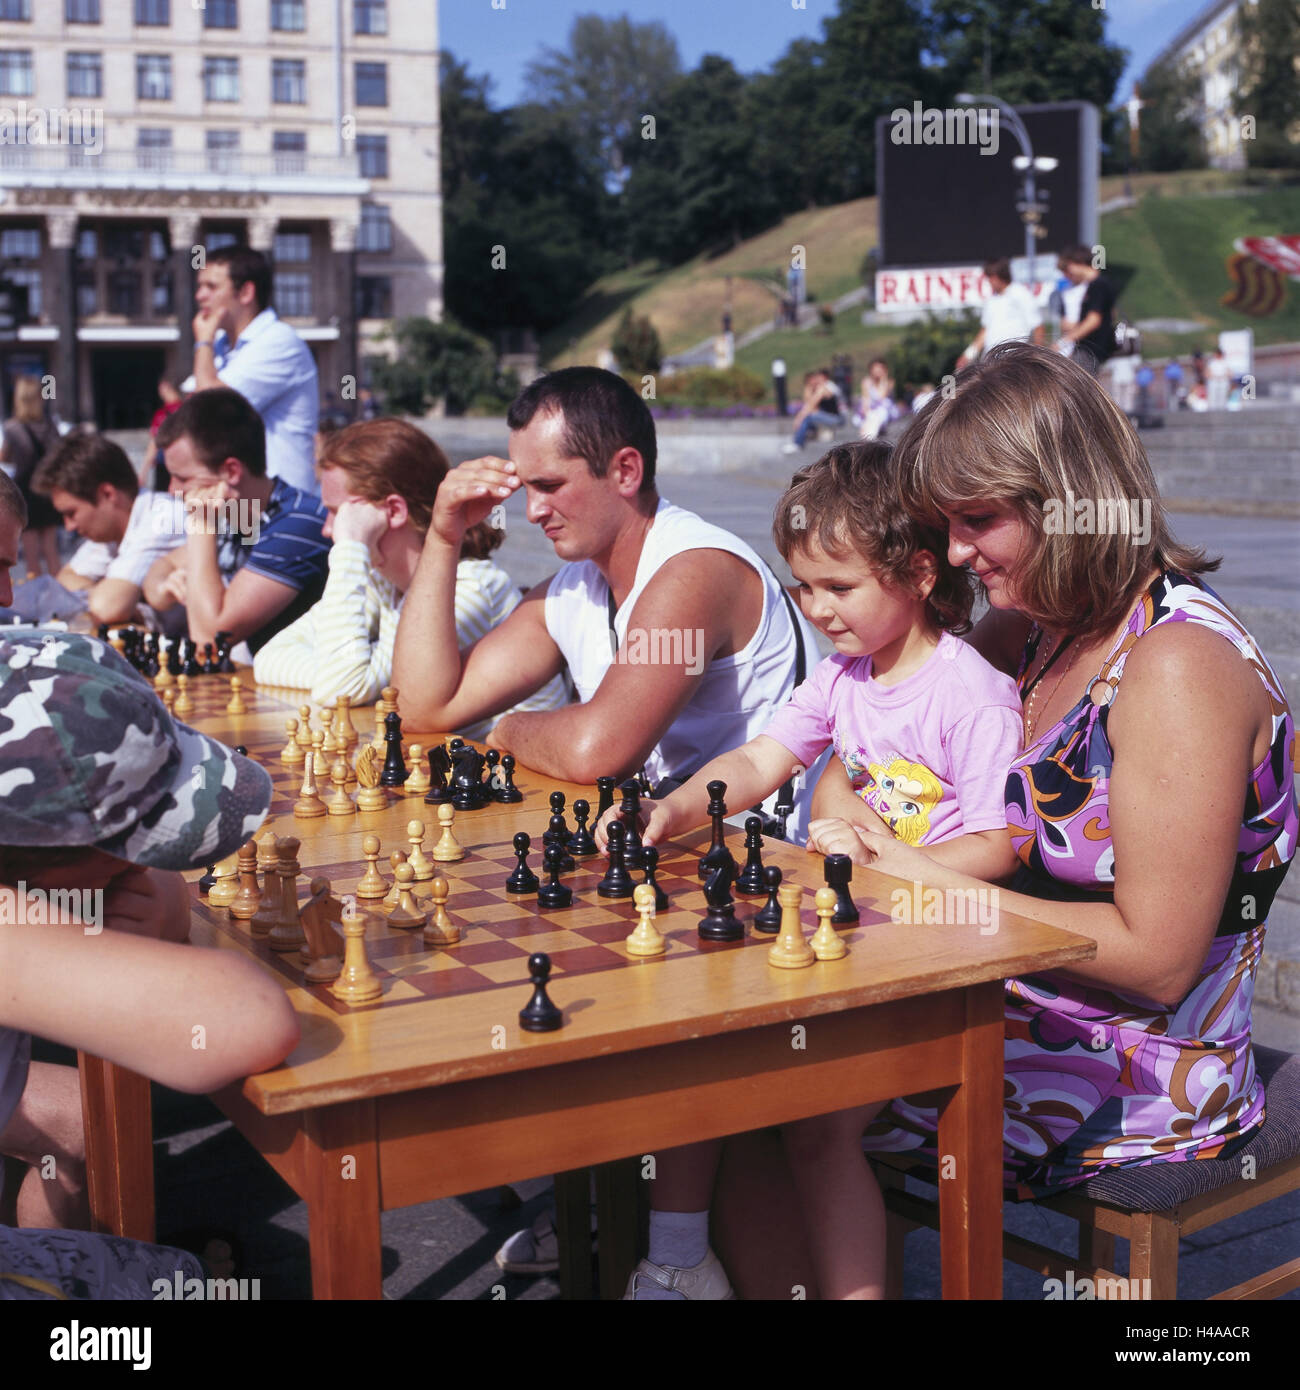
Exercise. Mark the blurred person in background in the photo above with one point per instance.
(28, 436)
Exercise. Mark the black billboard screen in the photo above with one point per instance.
(951, 203)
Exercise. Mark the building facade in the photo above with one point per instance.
(134, 134)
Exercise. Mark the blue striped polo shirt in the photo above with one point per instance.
(290, 549)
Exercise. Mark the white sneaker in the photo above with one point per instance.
(790, 447)
(705, 1282)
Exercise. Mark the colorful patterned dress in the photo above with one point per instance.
(1095, 1079)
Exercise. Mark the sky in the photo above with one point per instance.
(752, 33)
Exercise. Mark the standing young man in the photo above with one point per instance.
(1009, 314)
(240, 341)
(1092, 339)
(679, 639)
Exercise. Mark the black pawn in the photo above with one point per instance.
(395, 770)
(557, 809)
(208, 879)
(225, 666)
(495, 780)
(174, 667)
(553, 893)
(605, 788)
(557, 838)
(718, 854)
(750, 879)
(838, 870)
(210, 660)
(439, 767)
(523, 880)
(191, 666)
(509, 793)
(539, 1015)
(629, 812)
(720, 922)
(617, 882)
(650, 863)
(239, 748)
(768, 918)
(582, 842)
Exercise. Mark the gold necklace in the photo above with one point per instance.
(1033, 696)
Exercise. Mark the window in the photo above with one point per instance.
(20, 243)
(291, 247)
(221, 79)
(87, 293)
(292, 290)
(289, 81)
(87, 244)
(153, 11)
(374, 297)
(16, 72)
(373, 150)
(15, 9)
(32, 280)
(288, 15)
(81, 11)
(376, 231)
(370, 16)
(152, 149)
(85, 75)
(223, 151)
(372, 84)
(123, 242)
(153, 77)
(214, 241)
(125, 293)
(221, 14)
(161, 295)
(290, 149)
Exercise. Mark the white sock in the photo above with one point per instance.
(678, 1238)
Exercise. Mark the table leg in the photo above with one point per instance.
(617, 1188)
(573, 1233)
(342, 1190)
(970, 1155)
(118, 1125)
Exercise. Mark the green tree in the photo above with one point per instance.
(636, 345)
(929, 348)
(1169, 128)
(440, 362)
(1270, 91)
(614, 73)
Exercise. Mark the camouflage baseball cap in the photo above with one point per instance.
(89, 756)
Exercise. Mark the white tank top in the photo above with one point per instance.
(737, 696)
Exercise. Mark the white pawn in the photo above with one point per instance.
(646, 940)
(421, 865)
(826, 943)
(448, 850)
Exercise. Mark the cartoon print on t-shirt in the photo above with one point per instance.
(902, 793)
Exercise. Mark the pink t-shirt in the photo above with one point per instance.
(930, 755)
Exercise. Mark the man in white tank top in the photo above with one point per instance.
(706, 639)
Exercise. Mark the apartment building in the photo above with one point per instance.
(135, 132)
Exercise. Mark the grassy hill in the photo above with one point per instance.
(1168, 252)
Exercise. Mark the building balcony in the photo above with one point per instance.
(174, 171)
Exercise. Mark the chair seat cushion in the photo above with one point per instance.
(1161, 1186)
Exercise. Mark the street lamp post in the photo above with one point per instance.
(1026, 163)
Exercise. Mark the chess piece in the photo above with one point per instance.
(557, 837)
(650, 863)
(448, 849)
(406, 915)
(268, 906)
(441, 930)
(540, 1015)
(236, 703)
(225, 887)
(421, 864)
(162, 680)
(768, 917)
(395, 772)
(720, 922)
(287, 934)
(358, 984)
(331, 744)
(838, 872)
(371, 884)
(340, 803)
(617, 882)
(244, 904)
(392, 897)
(439, 768)
(509, 793)
(418, 781)
(309, 805)
(304, 728)
(190, 666)
(646, 940)
(371, 797)
(582, 843)
(467, 790)
(790, 951)
(553, 893)
(750, 879)
(322, 952)
(629, 812)
(318, 754)
(605, 799)
(384, 706)
(225, 665)
(174, 666)
(291, 754)
(496, 779)
(718, 853)
(209, 659)
(523, 879)
(169, 699)
(184, 700)
(826, 944)
(344, 729)
(207, 880)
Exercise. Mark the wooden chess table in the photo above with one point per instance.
(434, 1089)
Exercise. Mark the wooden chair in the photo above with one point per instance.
(1151, 1207)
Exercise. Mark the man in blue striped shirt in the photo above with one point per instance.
(254, 558)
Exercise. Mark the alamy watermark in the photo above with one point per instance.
(23, 906)
(235, 516)
(1098, 516)
(662, 646)
(948, 125)
(951, 907)
(82, 126)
